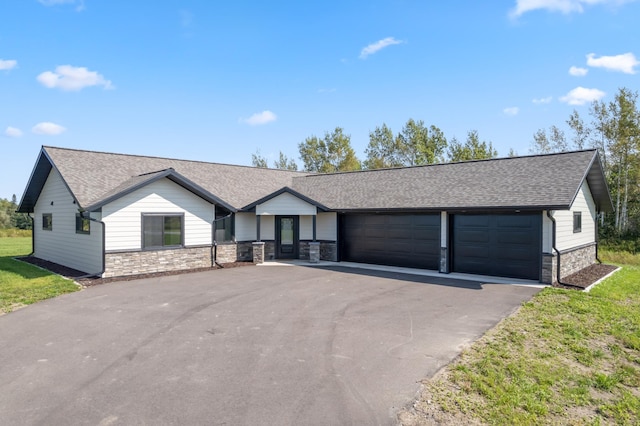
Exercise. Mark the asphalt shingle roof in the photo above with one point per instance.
(92, 176)
(532, 182)
(547, 181)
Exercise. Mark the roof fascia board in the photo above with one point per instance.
(595, 161)
(286, 189)
(455, 209)
(45, 155)
(30, 181)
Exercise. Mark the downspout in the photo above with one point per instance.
(87, 215)
(214, 247)
(597, 238)
(553, 244)
(33, 235)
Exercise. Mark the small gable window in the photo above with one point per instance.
(577, 222)
(83, 225)
(47, 221)
(162, 230)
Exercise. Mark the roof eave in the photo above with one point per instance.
(39, 178)
(286, 189)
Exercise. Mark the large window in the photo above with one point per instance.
(83, 225)
(162, 230)
(577, 222)
(224, 228)
(47, 221)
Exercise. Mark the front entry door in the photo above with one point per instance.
(287, 237)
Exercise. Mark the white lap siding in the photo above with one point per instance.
(123, 217)
(62, 244)
(565, 237)
(327, 226)
(245, 226)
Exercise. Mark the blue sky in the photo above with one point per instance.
(216, 81)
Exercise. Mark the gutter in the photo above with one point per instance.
(87, 215)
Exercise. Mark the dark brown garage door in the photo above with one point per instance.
(506, 245)
(409, 240)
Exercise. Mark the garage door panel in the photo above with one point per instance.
(411, 240)
(514, 237)
(469, 251)
(514, 221)
(473, 236)
(497, 244)
(472, 220)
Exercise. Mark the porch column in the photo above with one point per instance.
(444, 242)
(314, 227)
(258, 228)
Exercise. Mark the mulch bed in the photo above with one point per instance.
(81, 278)
(587, 276)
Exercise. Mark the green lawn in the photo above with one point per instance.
(566, 357)
(22, 284)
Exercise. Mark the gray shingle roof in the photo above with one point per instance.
(544, 181)
(533, 182)
(92, 176)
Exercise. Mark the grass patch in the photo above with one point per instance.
(566, 357)
(15, 233)
(23, 284)
(619, 257)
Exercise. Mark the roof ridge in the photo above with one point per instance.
(452, 163)
(174, 159)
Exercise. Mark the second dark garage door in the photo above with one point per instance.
(409, 240)
(506, 245)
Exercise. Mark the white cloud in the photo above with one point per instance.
(13, 132)
(511, 111)
(378, 45)
(578, 72)
(562, 6)
(69, 78)
(624, 63)
(260, 118)
(8, 64)
(541, 101)
(582, 95)
(48, 128)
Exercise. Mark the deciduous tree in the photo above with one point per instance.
(333, 153)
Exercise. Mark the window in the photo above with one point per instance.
(223, 226)
(83, 225)
(577, 222)
(162, 230)
(47, 221)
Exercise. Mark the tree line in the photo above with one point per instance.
(416, 144)
(9, 218)
(612, 128)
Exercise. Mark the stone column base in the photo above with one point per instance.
(258, 252)
(314, 252)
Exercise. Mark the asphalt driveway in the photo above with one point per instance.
(243, 346)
